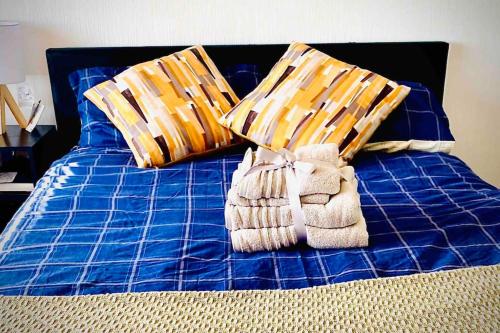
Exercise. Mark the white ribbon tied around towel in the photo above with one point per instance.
(266, 160)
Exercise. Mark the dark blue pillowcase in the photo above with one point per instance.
(419, 117)
(243, 78)
(96, 130)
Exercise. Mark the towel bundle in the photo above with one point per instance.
(258, 211)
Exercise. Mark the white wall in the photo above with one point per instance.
(472, 96)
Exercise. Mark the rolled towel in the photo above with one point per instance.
(272, 183)
(268, 239)
(234, 199)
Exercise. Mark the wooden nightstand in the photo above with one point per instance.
(29, 155)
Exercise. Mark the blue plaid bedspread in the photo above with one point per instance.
(97, 224)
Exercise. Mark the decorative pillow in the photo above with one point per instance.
(96, 130)
(310, 97)
(418, 123)
(167, 108)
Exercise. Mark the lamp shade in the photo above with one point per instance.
(11, 53)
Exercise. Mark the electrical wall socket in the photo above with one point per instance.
(25, 96)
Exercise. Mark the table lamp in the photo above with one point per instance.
(11, 70)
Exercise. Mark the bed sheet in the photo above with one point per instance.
(97, 224)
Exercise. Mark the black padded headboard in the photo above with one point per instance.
(423, 62)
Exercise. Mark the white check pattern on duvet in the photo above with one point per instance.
(97, 224)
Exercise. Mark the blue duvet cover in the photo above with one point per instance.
(97, 224)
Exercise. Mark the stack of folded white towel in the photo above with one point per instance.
(259, 215)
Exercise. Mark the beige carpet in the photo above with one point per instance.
(465, 300)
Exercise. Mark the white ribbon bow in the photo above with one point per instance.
(266, 160)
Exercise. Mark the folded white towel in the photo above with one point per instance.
(268, 239)
(272, 183)
(328, 152)
(234, 199)
(342, 209)
(259, 215)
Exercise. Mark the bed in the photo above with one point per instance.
(96, 224)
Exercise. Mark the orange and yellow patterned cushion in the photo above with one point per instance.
(167, 109)
(312, 98)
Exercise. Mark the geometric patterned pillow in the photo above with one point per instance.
(312, 98)
(419, 122)
(167, 109)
